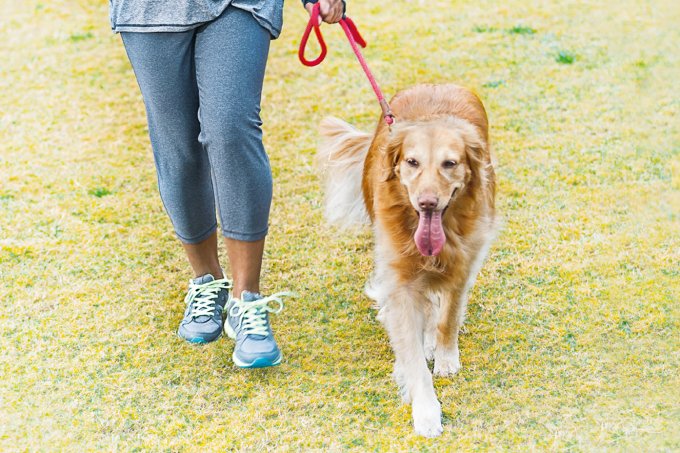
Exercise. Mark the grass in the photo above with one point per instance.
(565, 57)
(572, 339)
(521, 30)
(100, 192)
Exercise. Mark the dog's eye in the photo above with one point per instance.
(449, 164)
(412, 162)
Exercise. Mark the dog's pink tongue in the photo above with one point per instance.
(429, 235)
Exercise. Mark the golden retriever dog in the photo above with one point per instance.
(427, 186)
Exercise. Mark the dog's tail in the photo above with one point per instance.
(341, 157)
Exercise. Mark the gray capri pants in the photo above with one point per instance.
(202, 91)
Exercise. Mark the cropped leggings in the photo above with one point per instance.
(202, 91)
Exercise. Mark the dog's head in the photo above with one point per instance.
(436, 161)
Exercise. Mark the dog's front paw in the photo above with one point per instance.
(427, 417)
(446, 362)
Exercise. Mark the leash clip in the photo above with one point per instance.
(387, 112)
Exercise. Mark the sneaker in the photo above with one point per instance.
(205, 302)
(248, 323)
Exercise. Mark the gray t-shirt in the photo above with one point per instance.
(183, 15)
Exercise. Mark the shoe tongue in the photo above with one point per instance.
(429, 235)
(247, 296)
(203, 279)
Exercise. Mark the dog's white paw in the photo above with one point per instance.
(427, 417)
(446, 362)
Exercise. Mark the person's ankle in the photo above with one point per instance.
(217, 274)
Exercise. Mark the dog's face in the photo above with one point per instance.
(433, 167)
(434, 161)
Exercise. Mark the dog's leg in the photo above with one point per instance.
(404, 320)
(446, 354)
(432, 319)
(452, 315)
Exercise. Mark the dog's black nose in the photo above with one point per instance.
(427, 202)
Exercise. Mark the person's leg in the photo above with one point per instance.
(165, 71)
(246, 264)
(231, 55)
(203, 257)
(163, 65)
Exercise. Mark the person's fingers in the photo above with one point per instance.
(325, 8)
(335, 15)
(331, 10)
(309, 7)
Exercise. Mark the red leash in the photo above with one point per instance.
(354, 38)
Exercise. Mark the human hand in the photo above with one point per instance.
(331, 11)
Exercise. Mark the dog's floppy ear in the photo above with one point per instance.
(476, 152)
(392, 154)
(394, 148)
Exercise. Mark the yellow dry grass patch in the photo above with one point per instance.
(572, 338)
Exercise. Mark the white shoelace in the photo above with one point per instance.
(202, 297)
(254, 314)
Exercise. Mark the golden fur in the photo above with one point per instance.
(436, 158)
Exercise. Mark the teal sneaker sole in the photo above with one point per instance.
(260, 362)
(198, 340)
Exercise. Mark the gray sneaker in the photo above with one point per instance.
(248, 323)
(205, 302)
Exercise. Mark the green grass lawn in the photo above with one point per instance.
(573, 335)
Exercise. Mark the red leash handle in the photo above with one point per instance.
(313, 23)
(355, 40)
